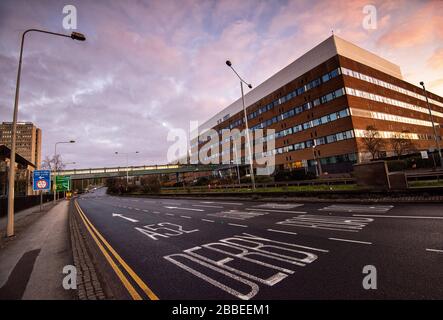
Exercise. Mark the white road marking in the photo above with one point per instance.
(279, 205)
(169, 214)
(123, 217)
(237, 225)
(288, 232)
(189, 209)
(172, 203)
(186, 217)
(205, 206)
(435, 250)
(156, 212)
(146, 210)
(402, 217)
(137, 209)
(228, 203)
(347, 240)
(357, 208)
(268, 210)
(207, 220)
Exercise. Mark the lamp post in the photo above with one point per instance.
(318, 170)
(55, 166)
(10, 225)
(433, 126)
(251, 156)
(127, 165)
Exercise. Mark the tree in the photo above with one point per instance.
(372, 141)
(402, 144)
(53, 163)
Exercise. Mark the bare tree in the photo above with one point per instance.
(372, 141)
(54, 163)
(402, 144)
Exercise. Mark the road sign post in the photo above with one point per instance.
(63, 183)
(41, 182)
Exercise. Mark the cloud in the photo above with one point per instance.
(148, 66)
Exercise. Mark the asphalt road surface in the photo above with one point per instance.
(215, 249)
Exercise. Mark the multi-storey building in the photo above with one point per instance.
(28, 143)
(321, 106)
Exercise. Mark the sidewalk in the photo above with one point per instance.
(31, 264)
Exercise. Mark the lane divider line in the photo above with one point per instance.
(282, 231)
(237, 225)
(402, 217)
(435, 250)
(272, 210)
(128, 269)
(207, 220)
(186, 217)
(347, 240)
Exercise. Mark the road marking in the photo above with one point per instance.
(228, 203)
(189, 209)
(169, 214)
(279, 205)
(237, 215)
(435, 250)
(288, 232)
(271, 210)
(128, 269)
(205, 206)
(155, 211)
(172, 203)
(146, 210)
(186, 217)
(237, 225)
(357, 208)
(339, 223)
(401, 217)
(137, 209)
(207, 220)
(347, 240)
(123, 217)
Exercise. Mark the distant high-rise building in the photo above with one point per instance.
(28, 143)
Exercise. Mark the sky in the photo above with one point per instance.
(151, 66)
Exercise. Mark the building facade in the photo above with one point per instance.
(28, 143)
(320, 107)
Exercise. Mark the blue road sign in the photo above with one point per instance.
(41, 180)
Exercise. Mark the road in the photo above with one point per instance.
(215, 249)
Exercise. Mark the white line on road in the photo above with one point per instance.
(228, 203)
(186, 217)
(207, 220)
(281, 231)
(189, 209)
(205, 206)
(435, 250)
(123, 217)
(347, 240)
(267, 210)
(156, 212)
(146, 210)
(169, 214)
(137, 209)
(402, 217)
(237, 225)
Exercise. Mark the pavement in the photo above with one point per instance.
(160, 248)
(32, 262)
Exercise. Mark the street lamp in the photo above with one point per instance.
(251, 156)
(127, 165)
(55, 166)
(10, 226)
(432, 122)
(318, 170)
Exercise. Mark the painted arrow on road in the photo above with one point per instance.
(123, 217)
(190, 209)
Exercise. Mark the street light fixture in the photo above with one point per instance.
(127, 164)
(55, 166)
(10, 225)
(432, 122)
(251, 156)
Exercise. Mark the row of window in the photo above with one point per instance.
(389, 117)
(310, 85)
(394, 102)
(360, 133)
(387, 85)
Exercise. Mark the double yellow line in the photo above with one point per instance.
(116, 262)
